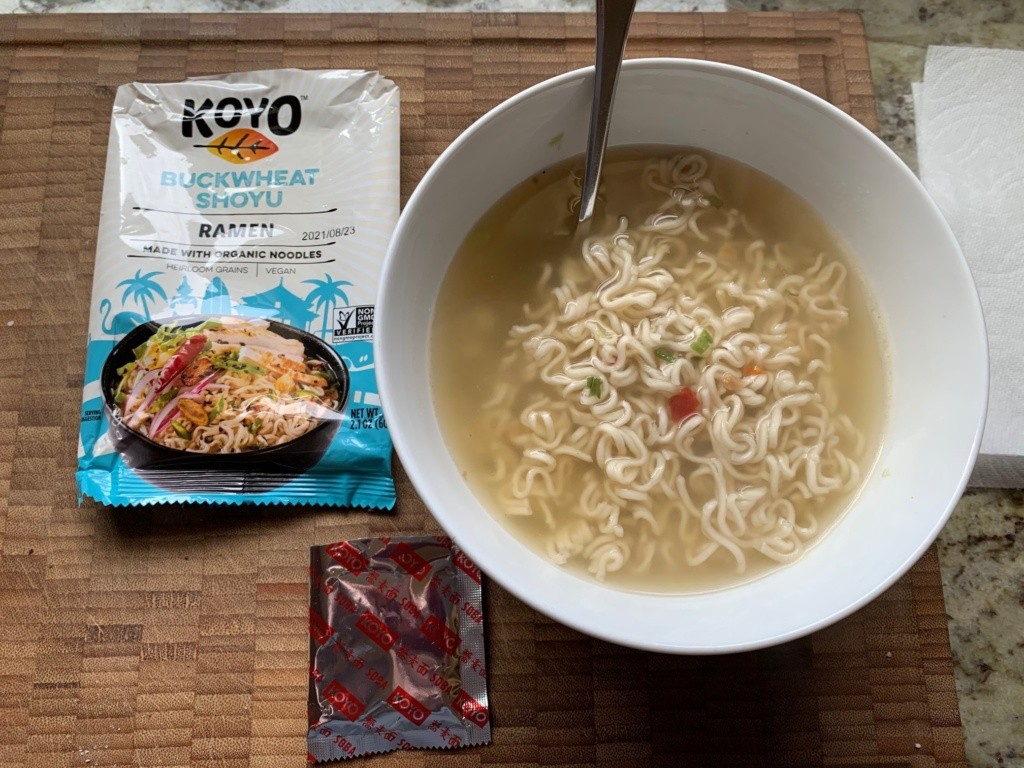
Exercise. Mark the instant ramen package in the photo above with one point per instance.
(230, 358)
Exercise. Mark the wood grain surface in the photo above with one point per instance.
(171, 636)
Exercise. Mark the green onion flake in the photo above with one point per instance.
(231, 363)
(164, 399)
(665, 354)
(217, 409)
(702, 343)
(594, 386)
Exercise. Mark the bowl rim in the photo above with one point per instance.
(432, 495)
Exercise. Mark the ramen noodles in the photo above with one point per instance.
(687, 398)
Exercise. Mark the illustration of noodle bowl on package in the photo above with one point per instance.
(217, 387)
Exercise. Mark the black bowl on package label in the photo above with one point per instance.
(252, 471)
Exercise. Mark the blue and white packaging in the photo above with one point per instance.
(230, 358)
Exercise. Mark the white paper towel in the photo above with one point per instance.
(970, 138)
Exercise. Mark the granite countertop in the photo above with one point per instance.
(982, 548)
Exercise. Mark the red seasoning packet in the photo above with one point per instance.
(396, 648)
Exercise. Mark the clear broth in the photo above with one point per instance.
(496, 271)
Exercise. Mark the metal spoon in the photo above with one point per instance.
(613, 18)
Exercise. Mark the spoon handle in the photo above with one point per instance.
(613, 18)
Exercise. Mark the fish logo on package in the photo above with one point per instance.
(230, 358)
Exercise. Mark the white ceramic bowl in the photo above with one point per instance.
(938, 367)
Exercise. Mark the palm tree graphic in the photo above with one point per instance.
(324, 298)
(143, 289)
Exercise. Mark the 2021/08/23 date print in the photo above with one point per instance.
(328, 234)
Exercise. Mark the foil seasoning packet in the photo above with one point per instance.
(243, 225)
(396, 648)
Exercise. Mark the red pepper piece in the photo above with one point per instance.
(683, 405)
(752, 369)
(185, 354)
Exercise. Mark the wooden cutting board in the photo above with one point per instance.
(175, 636)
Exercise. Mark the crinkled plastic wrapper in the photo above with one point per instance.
(396, 648)
(230, 355)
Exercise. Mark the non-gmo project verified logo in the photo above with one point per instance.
(353, 323)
